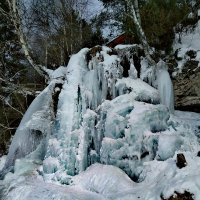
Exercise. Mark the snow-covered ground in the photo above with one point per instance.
(110, 139)
(188, 40)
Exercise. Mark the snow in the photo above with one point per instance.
(133, 72)
(105, 183)
(69, 93)
(123, 46)
(58, 73)
(111, 29)
(34, 188)
(109, 182)
(137, 88)
(147, 72)
(189, 41)
(166, 141)
(92, 9)
(167, 178)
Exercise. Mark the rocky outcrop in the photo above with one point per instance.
(178, 196)
(187, 88)
(186, 68)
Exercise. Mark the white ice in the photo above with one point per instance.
(165, 86)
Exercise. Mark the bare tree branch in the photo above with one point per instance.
(4, 12)
(2, 98)
(17, 88)
(7, 128)
(16, 19)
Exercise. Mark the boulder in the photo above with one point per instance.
(181, 161)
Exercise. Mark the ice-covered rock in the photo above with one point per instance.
(132, 137)
(105, 183)
(167, 146)
(138, 88)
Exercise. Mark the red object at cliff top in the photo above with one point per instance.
(118, 40)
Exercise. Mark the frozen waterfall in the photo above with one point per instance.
(35, 127)
(102, 136)
(165, 86)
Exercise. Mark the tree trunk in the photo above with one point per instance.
(135, 16)
(137, 11)
(46, 53)
(15, 17)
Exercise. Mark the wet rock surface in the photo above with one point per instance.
(181, 161)
(187, 89)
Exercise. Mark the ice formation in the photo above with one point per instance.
(107, 138)
(34, 129)
(165, 86)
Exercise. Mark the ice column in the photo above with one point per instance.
(165, 86)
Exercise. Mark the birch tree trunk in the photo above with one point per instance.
(16, 19)
(137, 12)
(46, 53)
(135, 16)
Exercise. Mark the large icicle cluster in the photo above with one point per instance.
(34, 130)
(105, 113)
(86, 112)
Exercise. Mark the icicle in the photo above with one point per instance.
(34, 127)
(165, 86)
(133, 73)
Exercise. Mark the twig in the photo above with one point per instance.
(7, 103)
(8, 128)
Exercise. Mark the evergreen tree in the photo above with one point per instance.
(158, 19)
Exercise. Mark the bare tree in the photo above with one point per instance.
(16, 90)
(17, 22)
(56, 29)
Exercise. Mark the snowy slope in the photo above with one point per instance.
(188, 40)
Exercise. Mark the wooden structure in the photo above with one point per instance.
(118, 40)
(121, 39)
